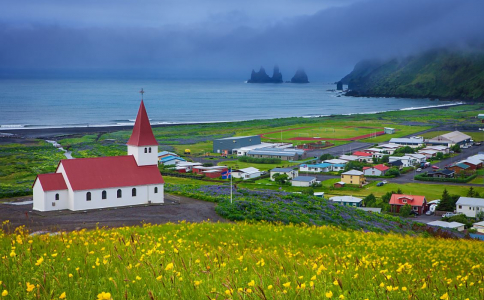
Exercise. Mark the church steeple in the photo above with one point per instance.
(142, 143)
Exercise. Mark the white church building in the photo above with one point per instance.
(101, 182)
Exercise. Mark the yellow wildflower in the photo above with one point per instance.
(39, 261)
(169, 267)
(249, 291)
(104, 296)
(251, 283)
(341, 296)
(444, 297)
(62, 296)
(404, 288)
(329, 294)
(269, 287)
(4, 293)
(287, 284)
(335, 282)
(30, 287)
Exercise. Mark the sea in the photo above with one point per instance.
(41, 103)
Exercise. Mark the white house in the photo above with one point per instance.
(101, 182)
(406, 160)
(378, 170)
(347, 200)
(188, 166)
(469, 206)
(315, 168)
(349, 157)
(451, 225)
(303, 181)
(438, 148)
(428, 152)
(290, 172)
(419, 157)
(479, 226)
(246, 173)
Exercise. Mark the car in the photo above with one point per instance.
(448, 215)
(429, 213)
(380, 183)
(419, 170)
(477, 143)
(435, 167)
(385, 182)
(414, 213)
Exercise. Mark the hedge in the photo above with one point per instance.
(457, 180)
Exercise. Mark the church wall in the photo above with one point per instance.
(144, 159)
(156, 197)
(80, 202)
(38, 196)
(45, 201)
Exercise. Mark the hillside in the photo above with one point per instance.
(237, 261)
(436, 74)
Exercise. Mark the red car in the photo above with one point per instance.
(435, 167)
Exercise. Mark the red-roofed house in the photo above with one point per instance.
(364, 156)
(90, 183)
(418, 203)
(378, 170)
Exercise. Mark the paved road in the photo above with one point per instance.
(342, 149)
(406, 178)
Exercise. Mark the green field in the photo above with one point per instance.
(476, 135)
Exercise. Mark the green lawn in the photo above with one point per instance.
(263, 167)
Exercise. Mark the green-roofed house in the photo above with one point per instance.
(459, 168)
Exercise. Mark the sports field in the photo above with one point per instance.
(337, 133)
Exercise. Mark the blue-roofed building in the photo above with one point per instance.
(290, 172)
(170, 160)
(303, 181)
(315, 168)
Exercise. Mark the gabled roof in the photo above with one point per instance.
(360, 153)
(349, 199)
(413, 200)
(142, 134)
(51, 182)
(470, 201)
(353, 172)
(380, 167)
(322, 165)
(445, 224)
(170, 158)
(108, 172)
(454, 136)
(461, 165)
(304, 178)
(336, 161)
(396, 163)
(249, 170)
(282, 170)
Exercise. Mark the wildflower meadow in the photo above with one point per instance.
(237, 261)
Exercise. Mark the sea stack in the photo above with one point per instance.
(300, 77)
(339, 85)
(262, 77)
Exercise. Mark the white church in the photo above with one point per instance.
(90, 183)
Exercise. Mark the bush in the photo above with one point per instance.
(259, 160)
(423, 177)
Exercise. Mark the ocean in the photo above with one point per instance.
(105, 102)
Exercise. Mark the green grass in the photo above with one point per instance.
(263, 167)
(238, 261)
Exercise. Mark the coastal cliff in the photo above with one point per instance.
(441, 74)
(262, 77)
(300, 77)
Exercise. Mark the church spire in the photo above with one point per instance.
(142, 134)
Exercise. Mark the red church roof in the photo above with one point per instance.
(398, 199)
(142, 134)
(108, 172)
(51, 182)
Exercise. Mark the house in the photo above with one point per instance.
(479, 226)
(397, 163)
(349, 157)
(407, 161)
(319, 194)
(420, 158)
(353, 177)
(280, 153)
(418, 203)
(290, 172)
(348, 200)
(469, 206)
(165, 153)
(227, 145)
(389, 130)
(473, 163)
(315, 168)
(376, 152)
(378, 170)
(303, 181)
(428, 152)
(438, 148)
(390, 148)
(171, 160)
(244, 150)
(451, 225)
(364, 156)
(339, 184)
(202, 170)
(441, 173)
(460, 168)
(187, 166)
(101, 182)
(336, 164)
(414, 141)
(246, 173)
(450, 139)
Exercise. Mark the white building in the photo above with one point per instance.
(469, 206)
(290, 172)
(305, 181)
(91, 183)
(246, 173)
(315, 168)
(479, 226)
(407, 161)
(347, 200)
(451, 225)
(419, 157)
(349, 157)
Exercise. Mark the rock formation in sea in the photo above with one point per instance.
(300, 77)
(262, 77)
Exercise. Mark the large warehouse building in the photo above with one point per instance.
(227, 145)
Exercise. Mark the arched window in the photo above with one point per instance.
(156, 189)
(149, 149)
(146, 150)
(88, 196)
(133, 192)
(104, 195)
(56, 196)
(120, 193)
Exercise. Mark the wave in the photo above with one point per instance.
(12, 126)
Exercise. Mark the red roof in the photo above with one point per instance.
(359, 153)
(142, 134)
(51, 182)
(381, 167)
(398, 199)
(108, 172)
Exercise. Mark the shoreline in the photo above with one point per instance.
(52, 131)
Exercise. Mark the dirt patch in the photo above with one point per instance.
(175, 209)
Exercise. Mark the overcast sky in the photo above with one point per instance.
(194, 38)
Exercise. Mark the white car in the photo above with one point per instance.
(448, 215)
(385, 182)
(419, 170)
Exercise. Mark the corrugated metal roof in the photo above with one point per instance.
(470, 201)
(282, 170)
(304, 178)
(353, 172)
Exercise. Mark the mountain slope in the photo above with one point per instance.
(435, 74)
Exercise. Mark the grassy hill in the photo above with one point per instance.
(237, 261)
(435, 74)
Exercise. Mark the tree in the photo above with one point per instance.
(355, 165)
(385, 159)
(399, 191)
(456, 148)
(447, 202)
(280, 178)
(326, 156)
(386, 198)
(406, 149)
(439, 155)
(405, 210)
(309, 191)
(472, 193)
(369, 200)
(393, 172)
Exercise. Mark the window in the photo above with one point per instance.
(133, 192)
(119, 193)
(104, 195)
(460, 206)
(88, 196)
(404, 200)
(56, 196)
(156, 190)
(149, 149)
(146, 150)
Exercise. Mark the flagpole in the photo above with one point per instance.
(230, 174)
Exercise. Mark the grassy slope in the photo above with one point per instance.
(435, 74)
(239, 261)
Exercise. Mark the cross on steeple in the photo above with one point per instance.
(141, 92)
